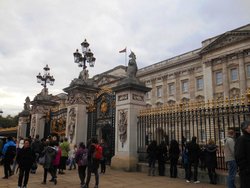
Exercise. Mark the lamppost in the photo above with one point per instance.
(86, 57)
(46, 78)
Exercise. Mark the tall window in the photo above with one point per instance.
(185, 86)
(148, 95)
(234, 74)
(199, 83)
(248, 71)
(218, 76)
(159, 91)
(171, 89)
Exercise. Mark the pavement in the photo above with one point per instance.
(111, 179)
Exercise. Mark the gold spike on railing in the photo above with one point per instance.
(248, 95)
(242, 99)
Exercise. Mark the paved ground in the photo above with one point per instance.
(112, 179)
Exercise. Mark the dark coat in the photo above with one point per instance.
(242, 153)
(50, 155)
(210, 156)
(93, 164)
(162, 152)
(152, 151)
(193, 152)
(174, 150)
(25, 158)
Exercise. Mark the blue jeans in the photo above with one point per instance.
(232, 170)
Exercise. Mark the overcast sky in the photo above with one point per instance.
(34, 33)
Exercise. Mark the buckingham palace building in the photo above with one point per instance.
(220, 69)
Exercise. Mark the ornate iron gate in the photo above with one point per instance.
(101, 119)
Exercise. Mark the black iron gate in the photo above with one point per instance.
(181, 122)
(101, 120)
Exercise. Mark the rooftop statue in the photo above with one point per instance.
(132, 66)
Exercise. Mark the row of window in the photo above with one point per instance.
(234, 76)
(184, 86)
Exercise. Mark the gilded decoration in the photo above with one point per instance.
(59, 126)
(103, 90)
(104, 105)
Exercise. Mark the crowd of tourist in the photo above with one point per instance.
(191, 156)
(23, 156)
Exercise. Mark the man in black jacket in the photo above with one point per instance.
(242, 155)
(193, 159)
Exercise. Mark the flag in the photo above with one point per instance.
(124, 50)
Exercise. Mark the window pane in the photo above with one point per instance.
(185, 86)
(199, 83)
(171, 89)
(234, 74)
(218, 78)
(159, 91)
(248, 70)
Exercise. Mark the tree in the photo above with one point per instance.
(9, 121)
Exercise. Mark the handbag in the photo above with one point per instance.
(41, 160)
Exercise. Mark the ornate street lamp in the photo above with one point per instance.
(86, 57)
(46, 78)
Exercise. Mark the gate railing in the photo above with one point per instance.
(181, 122)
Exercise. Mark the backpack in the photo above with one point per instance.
(10, 153)
(83, 160)
(98, 152)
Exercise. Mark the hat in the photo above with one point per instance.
(244, 125)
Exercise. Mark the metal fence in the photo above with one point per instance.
(181, 122)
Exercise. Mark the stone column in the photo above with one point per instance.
(208, 80)
(242, 73)
(130, 98)
(225, 77)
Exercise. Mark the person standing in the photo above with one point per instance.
(56, 161)
(193, 159)
(72, 155)
(230, 158)
(242, 155)
(104, 156)
(211, 160)
(174, 153)
(93, 163)
(25, 159)
(9, 153)
(162, 157)
(152, 157)
(82, 161)
(65, 153)
(50, 154)
(37, 147)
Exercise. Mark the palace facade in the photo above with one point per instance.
(220, 69)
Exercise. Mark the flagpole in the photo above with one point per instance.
(126, 57)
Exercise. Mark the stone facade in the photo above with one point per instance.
(219, 69)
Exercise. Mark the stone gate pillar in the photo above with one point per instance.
(23, 129)
(130, 98)
(41, 106)
(81, 93)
